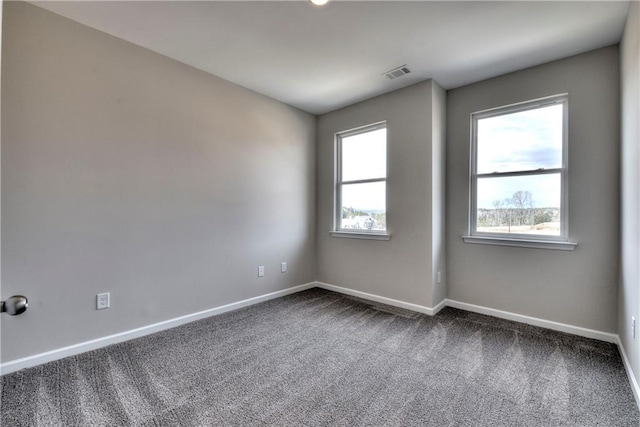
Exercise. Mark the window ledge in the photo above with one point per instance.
(521, 243)
(356, 235)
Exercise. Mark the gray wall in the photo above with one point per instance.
(400, 268)
(629, 292)
(127, 172)
(578, 288)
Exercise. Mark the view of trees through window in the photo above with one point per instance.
(355, 219)
(518, 214)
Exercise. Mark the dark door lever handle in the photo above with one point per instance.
(14, 305)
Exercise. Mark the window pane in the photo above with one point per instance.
(364, 156)
(525, 140)
(364, 206)
(523, 205)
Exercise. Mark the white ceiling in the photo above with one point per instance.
(322, 58)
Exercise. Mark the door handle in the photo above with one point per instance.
(14, 305)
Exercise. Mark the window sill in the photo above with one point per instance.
(356, 235)
(521, 243)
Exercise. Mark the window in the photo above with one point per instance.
(519, 175)
(361, 182)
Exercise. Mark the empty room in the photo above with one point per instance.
(312, 213)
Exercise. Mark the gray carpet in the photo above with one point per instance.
(318, 358)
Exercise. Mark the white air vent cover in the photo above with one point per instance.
(397, 72)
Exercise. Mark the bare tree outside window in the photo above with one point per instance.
(517, 214)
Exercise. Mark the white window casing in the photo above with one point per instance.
(519, 238)
(362, 228)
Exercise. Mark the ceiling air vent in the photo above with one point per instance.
(397, 72)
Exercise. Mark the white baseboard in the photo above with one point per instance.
(548, 324)
(632, 378)
(384, 300)
(49, 356)
(442, 304)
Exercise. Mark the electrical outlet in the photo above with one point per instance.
(261, 271)
(439, 276)
(103, 301)
(283, 267)
(633, 327)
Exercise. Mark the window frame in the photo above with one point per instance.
(337, 231)
(560, 241)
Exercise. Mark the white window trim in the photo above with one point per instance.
(369, 235)
(521, 242)
(337, 203)
(560, 242)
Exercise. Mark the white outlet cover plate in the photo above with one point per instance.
(103, 301)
